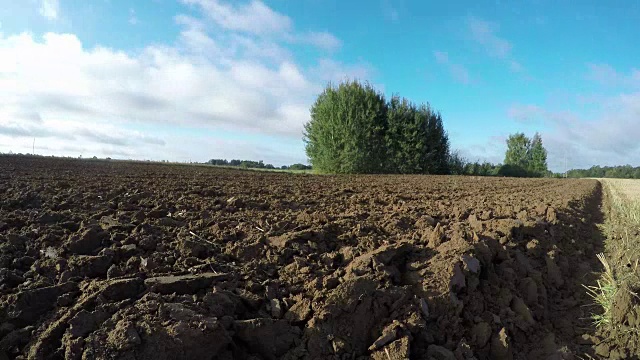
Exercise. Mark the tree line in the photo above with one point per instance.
(355, 129)
(250, 164)
(524, 157)
(619, 172)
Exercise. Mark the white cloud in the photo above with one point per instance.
(485, 33)
(158, 85)
(133, 19)
(323, 40)
(254, 17)
(50, 9)
(106, 101)
(609, 138)
(459, 72)
(605, 74)
(526, 113)
(255, 22)
(335, 71)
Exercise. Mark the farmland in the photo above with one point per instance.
(113, 260)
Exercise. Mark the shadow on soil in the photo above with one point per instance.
(528, 301)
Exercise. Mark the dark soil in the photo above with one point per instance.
(117, 260)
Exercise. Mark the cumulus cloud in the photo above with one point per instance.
(237, 81)
(158, 85)
(50, 9)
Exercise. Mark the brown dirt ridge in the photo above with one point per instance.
(114, 260)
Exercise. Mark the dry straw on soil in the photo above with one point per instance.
(616, 292)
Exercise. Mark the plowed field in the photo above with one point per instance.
(115, 260)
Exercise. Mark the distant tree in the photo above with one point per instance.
(537, 155)
(513, 171)
(517, 150)
(458, 165)
(621, 172)
(525, 157)
(284, 167)
(218, 162)
(438, 144)
(299, 167)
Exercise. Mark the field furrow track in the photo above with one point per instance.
(123, 260)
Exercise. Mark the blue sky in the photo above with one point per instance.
(199, 79)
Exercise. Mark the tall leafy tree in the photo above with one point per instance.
(537, 155)
(438, 154)
(354, 130)
(458, 165)
(346, 132)
(404, 138)
(416, 140)
(517, 154)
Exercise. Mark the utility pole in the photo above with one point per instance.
(33, 149)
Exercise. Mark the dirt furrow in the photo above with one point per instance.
(119, 260)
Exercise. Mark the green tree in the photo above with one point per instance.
(525, 157)
(458, 165)
(403, 137)
(517, 150)
(346, 133)
(299, 167)
(354, 130)
(537, 156)
(438, 153)
(416, 140)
